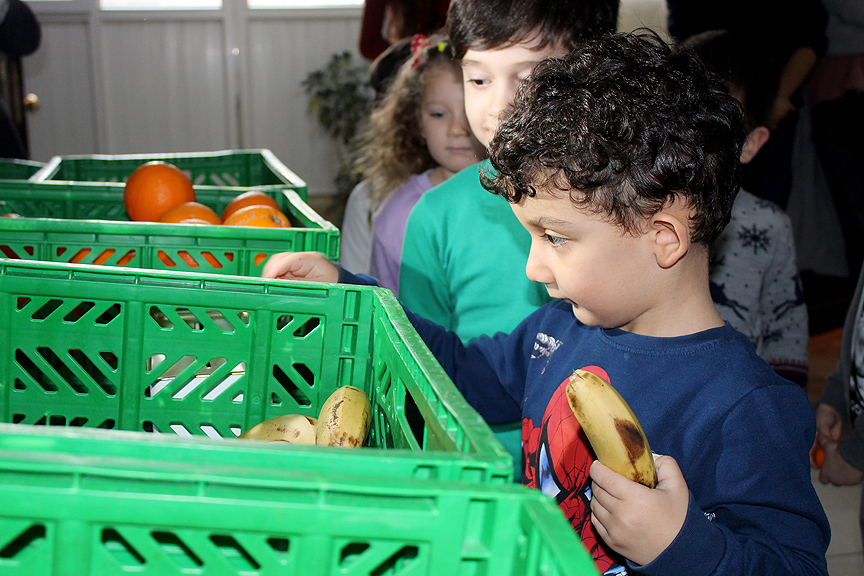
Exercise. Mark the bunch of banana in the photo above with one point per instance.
(344, 420)
(611, 427)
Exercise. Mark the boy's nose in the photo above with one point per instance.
(535, 269)
(499, 103)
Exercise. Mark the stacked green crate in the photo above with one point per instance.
(211, 356)
(17, 169)
(73, 506)
(79, 222)
(252, 168)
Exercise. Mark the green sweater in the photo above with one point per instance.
(463, 260)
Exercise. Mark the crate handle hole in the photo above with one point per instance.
(33, 536)
(165, 259)
(176, 549)
(210, 431)
(278, 544)
(63, 370)
(109, 314)
(190, 319)
(232, 549)
(307, 327)
(109, 358)
(208, 256)
(98, 377)
(120, 548)
(283, 321)
(351, 552)
(8, 252)
(47, 309)
(34, 372)
(398, 562)
(78, 311)
(160, 318)
(290, 387)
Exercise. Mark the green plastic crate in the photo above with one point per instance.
(87, 223)
(253, 168)
(211, 355)
(70, 509)
(16, 169)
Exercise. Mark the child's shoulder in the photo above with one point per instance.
(750, 207)
(460, 192)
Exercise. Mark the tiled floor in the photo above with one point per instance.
(841, 503)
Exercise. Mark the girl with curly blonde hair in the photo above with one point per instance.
(418, 136)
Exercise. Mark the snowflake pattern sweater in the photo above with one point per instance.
(756, 287)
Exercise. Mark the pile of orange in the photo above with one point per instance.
(155, 187)
(160, 192)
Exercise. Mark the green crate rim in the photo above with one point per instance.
(52, 166)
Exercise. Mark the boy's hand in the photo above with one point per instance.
(308, 266)
(836, 470)
(636, 521)
(828, 424)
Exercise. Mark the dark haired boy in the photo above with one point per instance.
(459, 240)
(457, 228)
(622, 161)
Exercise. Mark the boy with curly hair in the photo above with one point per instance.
(622, 161)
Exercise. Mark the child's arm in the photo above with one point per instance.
(636, 521)
(782, 305)
(477, 370)
(308, 266)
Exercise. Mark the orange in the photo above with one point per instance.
(251, 198)
(190, 213)
(126, 258)
(265, 216)
(185, 256)
(155, 187)
(818, 455)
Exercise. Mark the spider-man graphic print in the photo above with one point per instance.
(556, 460)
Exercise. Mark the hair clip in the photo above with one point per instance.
(419, 44)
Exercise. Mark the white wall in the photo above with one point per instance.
(136, 82)
(141, 82)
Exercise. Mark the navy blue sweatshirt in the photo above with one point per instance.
(740, 433)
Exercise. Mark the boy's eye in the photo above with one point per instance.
(555, 241)
(478, 82)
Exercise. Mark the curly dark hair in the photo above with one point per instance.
(624, 125)
(489, 24)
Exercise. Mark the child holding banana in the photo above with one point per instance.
(622, 161)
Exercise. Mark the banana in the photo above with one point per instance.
(345, 418)
(613, 430)
(292, 428)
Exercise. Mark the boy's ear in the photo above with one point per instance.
(671, 237)
(754, 142)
